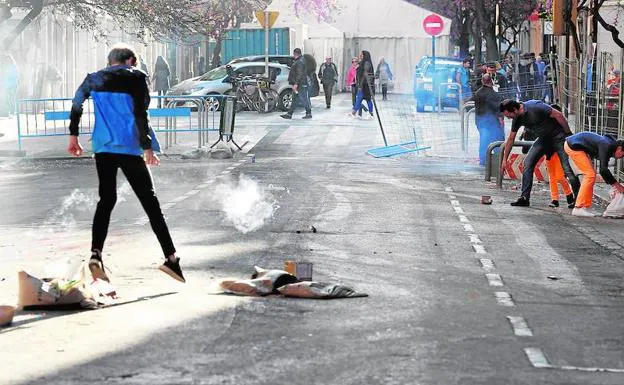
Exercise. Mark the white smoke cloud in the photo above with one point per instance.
(77, 201)
(246, 204)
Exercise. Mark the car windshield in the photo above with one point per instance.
(443, 66)
(215, 74)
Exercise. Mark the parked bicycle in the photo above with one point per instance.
(254, 93)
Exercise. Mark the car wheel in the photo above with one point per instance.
(213, 103)
(285, 100)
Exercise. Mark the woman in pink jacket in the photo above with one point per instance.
(350, 82)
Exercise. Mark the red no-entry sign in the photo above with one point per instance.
(433, 25)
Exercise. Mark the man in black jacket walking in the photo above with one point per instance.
(329, 76)
(299, 81)
(121, 139)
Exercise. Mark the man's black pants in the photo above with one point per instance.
(140, 179)
(543, 147)
(328, 89)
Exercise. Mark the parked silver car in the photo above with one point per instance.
(214, 82)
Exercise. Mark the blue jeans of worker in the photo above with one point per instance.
(540, 148)
(301, 97)
(466, 92)
(490, 130)
(358, 103)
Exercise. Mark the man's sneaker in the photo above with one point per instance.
(554, 203)
(96, 267)
(173, 269)
(307, 117)
(521, 202)
(571, 201)
(286, 116)
(582, 212)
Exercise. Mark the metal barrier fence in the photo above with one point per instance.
(432, 116)
(591, 95)
(38, 118)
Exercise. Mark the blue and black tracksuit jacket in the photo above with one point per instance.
(121, 99)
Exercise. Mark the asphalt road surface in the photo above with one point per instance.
(459, 292)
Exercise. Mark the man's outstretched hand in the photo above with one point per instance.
(151, 159)
(74, 147)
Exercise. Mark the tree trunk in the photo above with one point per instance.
(491, 45)
(478, 41)
(37, 7)
(464, 38)
(216, 55)
(488, 29)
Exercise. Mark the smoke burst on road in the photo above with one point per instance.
(64, 217)
(246, 204)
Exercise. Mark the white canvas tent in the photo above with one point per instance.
(391, 29)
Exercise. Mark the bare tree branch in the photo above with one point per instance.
(614, 31)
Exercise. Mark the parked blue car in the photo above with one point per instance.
(429, 83)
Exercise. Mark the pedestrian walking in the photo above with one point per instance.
(162, 73)
(540, 77)
(550, 128)
(143, 66)
(365, 79)
(384, 75)
(350, 82)
(526, 73)
(10, 82)
(488, 117)
(121, 139)
(201, 66)
(299, 80)
(328, 73)
(582, 148)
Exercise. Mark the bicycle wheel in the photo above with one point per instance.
(270, 98)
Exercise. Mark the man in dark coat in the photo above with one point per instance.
(329, 76)
(299, 81)
(488, 117)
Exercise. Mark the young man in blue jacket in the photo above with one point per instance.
(121, 140)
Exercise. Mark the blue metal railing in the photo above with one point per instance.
(49, 117)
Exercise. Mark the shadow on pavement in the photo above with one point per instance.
(41, 313)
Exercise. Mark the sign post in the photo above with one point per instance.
(266, 20)
(433, 26)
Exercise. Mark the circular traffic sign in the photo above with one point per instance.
(433, 25)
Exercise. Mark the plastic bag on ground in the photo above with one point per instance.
(263, 282)
(616, 207)
(319, 290)
(37, 293)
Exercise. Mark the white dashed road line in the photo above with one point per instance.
(537, 358)
(474, 238)
(494, 280)
(479, 249)
(504, 299)
(520, 326)
(549, 261)
(487, 264)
